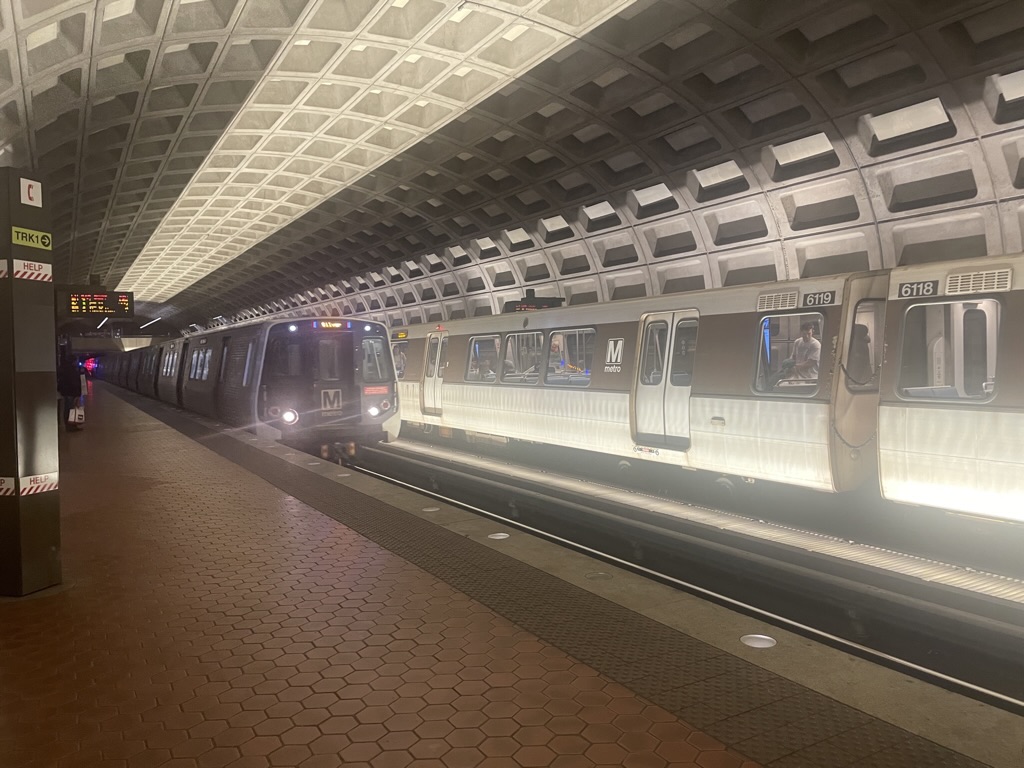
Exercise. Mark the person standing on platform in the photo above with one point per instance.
(69, 385)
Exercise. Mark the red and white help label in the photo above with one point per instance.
(38, 484)
(3, 268)
(33, 270)
(6, 486)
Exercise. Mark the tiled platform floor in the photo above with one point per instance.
(210, 619)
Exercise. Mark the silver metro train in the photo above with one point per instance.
(324, 384)
(911, 379)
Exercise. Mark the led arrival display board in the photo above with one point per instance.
(101, 304)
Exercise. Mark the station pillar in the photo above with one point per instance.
(29, 498)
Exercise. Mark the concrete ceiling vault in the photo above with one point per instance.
(424, 160)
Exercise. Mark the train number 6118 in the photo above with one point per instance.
(916, 290)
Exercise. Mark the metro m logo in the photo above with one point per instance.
(613, 356)
(330, 399)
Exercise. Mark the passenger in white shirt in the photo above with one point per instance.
(806, 355)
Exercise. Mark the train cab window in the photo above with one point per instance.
(432, 357)
(375, 365)
(524, 355)
(789, 354)
(570, 354)
(652, 356)
(684, 347)
(483, 359)
(949, 350)
(247, 371)
(284, 357)
(400, 353)
(864, 350)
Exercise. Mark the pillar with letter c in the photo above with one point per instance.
(29, 498)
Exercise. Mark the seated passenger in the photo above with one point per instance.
(806, 356)
(556, 360)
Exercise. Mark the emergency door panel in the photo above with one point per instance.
(661, 402)
(433, 372)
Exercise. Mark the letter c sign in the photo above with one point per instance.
(31, 193)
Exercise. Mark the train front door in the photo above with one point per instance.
(433, 372)
(661, 392)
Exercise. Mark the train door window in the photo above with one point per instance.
(247, 371)
(789, 354)
(570, 354)
(949, 350)
(864, 351)
(524, 355)
(652, 356)
(376, 369)
(483, 358)
(399, 351)
(206, 354)
(684, 347)
(194, 366)
(223, 359)
(432, 357)
(328, 359)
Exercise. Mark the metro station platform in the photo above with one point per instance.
(228, 602)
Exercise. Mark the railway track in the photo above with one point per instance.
(960, 628)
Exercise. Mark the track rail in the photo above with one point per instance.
(953, 635)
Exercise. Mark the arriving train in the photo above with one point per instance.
(323, 384)
(915, 381)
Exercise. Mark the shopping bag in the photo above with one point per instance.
(77, 415)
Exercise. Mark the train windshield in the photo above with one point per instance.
(376, 362)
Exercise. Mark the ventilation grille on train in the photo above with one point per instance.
(979, 282)
(771, 301)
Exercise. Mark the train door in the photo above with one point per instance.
(433, 372)
(661, 392)
(183, 367)
(154, 380)
(853, 449)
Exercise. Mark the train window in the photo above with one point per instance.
(864, 351)
(247, 371)
(684, 347)
(284, 357)
(789, 353)
(570, 353)
(399, 352)
(483, 358)
(205, 357)
(376, 369)
(223, 359)
(328, 359)
(949, 350)
(194, 366)
(524, 354)
(652, 358)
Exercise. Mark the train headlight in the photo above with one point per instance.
(373, 410)
(289, 416)
(385, 406)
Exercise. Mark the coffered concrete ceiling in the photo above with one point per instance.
(425, 159)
